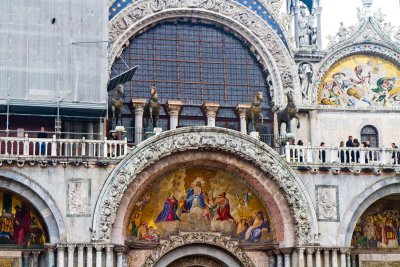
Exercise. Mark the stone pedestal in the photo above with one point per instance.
(157, 130)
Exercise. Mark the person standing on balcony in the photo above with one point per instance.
(349, 143)
(301, 153)
(41, 146)
(322, 153)
(395, 153)
(357, 153)
(341, 152)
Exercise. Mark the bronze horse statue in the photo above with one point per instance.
(115, 104)
(287, 114)
(254, 113)
(152, 109)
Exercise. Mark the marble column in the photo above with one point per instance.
(326, 258)
(173, 108)
(211, 109)
(138, 105)
(296, 24)
(60, 255)
(310, 252)
(99, 249)
(71, 250)
(343, 252)
(317, 257)
(242, 108)
(287, 252)
(334, 257)
(25, 258)
(319, 38)
(313, 114)
(279, 258)
(49, 248)
(271, 258)
(35, 255)
(348, 259)
(89, 256)
(80, 255)
(120, 250)
(300, 251)
(109, 255)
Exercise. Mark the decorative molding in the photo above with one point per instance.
(327, 198)
(210, 139)
(262, 39)
(199, 238)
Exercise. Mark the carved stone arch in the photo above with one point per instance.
(380, 189)
(225, 249)
(261, 156)
(374, 49)
(263, 41)
(41, 200)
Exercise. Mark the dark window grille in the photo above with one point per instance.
(370, 133)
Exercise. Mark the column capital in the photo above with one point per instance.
(270, 253)
(174, 107)
(36, 253)
(210, 108)
(71, 246)
(309, 251)
(61, 246)
(138, 102)
(109, 247)
(313, 113)
(81, 246)
(120, 249)
(277, 252)
(49, 247)
(242, 108)
(26, 254)
(344, 250)
(326, 251)
(98, 247)
(286, 250)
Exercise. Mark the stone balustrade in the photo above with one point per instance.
(14, 148)
(342, 155)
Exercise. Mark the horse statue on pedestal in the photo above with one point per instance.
(253, 114)
(115, 104)
(287, 114)
(152, 109)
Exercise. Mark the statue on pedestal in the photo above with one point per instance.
(254, 113)
(115, 104)
(286, 115)
(151, 109)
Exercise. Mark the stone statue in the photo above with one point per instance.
(115, 104)
(342, 32)
(305, 74)
(151, 109)
(254, 113)
(286, 115)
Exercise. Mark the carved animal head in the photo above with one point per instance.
(290, 97)
(119, 90)
(153, 91)
(259, 96)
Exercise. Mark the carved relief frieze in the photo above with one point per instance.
(211, 139)
(78, 197)
(327, 197)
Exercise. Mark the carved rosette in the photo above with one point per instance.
(264, 42)
(205, 138)
(199, 238)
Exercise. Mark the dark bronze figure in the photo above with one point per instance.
(115, 104)
(254, 113)
(151, 110)
(287, 114)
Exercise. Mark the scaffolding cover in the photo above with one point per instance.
(55, 51)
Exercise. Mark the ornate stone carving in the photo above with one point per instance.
(142, 14)
(78, 195)
(211, 139)
(327, 203)
(199, 238)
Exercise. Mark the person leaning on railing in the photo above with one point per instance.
(395, 154)
(41, 146)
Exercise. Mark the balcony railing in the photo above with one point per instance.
(342, 155)
(15, 148)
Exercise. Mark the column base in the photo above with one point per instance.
(255, 135)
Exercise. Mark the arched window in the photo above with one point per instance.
(370, 133)
(194, 63)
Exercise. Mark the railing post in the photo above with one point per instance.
(332, 155)
(26, 145)
(125, 147)
(383, 156)
(309, 154)
(105, 152)
(362, 155)
(287, 152)
(54, 146)
(83, 146)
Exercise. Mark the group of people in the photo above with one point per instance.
(20, 228)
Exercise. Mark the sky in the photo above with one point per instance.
(335, 11)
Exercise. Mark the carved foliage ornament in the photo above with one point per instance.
(193, 138)
(199, 238)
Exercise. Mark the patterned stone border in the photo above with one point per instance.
(210, 139)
